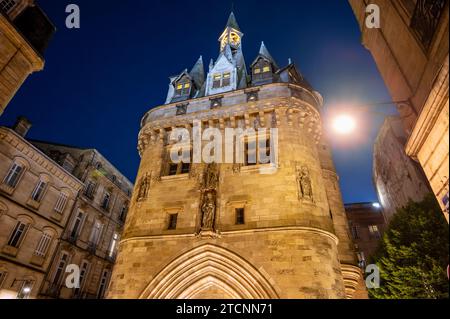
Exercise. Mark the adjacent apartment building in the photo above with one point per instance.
(367, 226)
(37, 197)
(59, 206)
(25, 32)
(398, 179)
(92, 234)
(411, 51)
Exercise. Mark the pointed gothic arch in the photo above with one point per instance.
(209, 267)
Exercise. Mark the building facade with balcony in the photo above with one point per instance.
(411, 51)
(37, 197)
(25, 32)
(93, 232)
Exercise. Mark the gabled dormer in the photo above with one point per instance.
(223, 75)
(187, 85)
(263, 68)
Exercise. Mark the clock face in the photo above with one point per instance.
(233, 38)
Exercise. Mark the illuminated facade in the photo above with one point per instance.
(237, 230)
(411, 52)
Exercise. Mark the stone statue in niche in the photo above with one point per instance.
(305, 184)
(208, 211)
(143, 188)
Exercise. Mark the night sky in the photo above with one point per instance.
(99, 80)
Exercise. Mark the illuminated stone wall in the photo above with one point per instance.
(288, 245)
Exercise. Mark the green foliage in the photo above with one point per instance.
(413, 254)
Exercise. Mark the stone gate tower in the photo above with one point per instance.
(237, 230)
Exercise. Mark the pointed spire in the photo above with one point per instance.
(264, 52)
(198, 72)
(211, 64)
(232, 22)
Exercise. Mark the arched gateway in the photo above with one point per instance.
(209, 271)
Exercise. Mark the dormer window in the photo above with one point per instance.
(262, 72)
(183, 87)
(221, 80)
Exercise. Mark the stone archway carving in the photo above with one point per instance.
(209, 267)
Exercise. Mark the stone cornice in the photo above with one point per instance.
(32, 153)
(6, 27)
(239, 232)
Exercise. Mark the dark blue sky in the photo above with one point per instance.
(100, 80)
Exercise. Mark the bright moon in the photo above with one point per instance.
(344, 124)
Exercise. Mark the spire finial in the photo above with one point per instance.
(232, 23)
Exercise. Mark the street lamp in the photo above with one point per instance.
(345, 122)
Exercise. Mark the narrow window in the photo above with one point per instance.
(103, 284)
(43, 245)
(226, 79)
(173, 218)
(84, 269)
(257, 71)
(374, 232)
(266, 69)
(61, 203)
(355, 232)
(76, 226)
(95, 234)
(217, 78)
(106, 200)
(60, 269)
(123, 212)
(90, 189)
(17, 235)
(240, 216)
(38, 192)
(13, 176)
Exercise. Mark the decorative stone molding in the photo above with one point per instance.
(32, 153)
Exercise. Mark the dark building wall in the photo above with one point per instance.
(367, 225)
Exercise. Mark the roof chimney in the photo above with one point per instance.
(22, 126)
